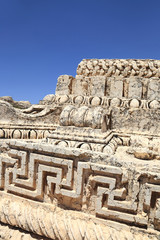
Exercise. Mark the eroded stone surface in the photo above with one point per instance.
(84, 163)
(8, 232)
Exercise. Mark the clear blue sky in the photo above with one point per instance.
(42, 39)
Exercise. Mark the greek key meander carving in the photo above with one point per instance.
(106, 102)
(27, 172)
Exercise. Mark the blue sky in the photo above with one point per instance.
(42, 39)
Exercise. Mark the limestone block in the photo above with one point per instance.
(74, 174)
(116, 89)
(135, 88)
(82, 117)
(154, 90)
(136, 119)
(8, 232)
(82, 86)
(64, 85)
(98, 86)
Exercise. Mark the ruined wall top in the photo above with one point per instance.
(117, 67)
(124, 78)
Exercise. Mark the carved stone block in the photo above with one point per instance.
(64, 85)
(98, 85)
(135, 88)
(116, 89)
(86, 165)
(154, 90)
(82, 86)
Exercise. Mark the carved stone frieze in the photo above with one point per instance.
(84, 163)
(44, 172)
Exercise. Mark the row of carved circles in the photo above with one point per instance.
(23, 134)
(109, 102)
(104, 148)
(141, 68)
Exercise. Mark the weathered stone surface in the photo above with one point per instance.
(154, 90)
(81, 86)
(56, 223)
(8, 232)
(86, 165)
(64, 85)
(135, 88)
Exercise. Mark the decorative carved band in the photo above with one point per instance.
(116, 67)
(105, 102)
(45, 172)
(24, 132)
(86, 139)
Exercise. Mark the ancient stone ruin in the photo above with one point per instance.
(84, 164)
